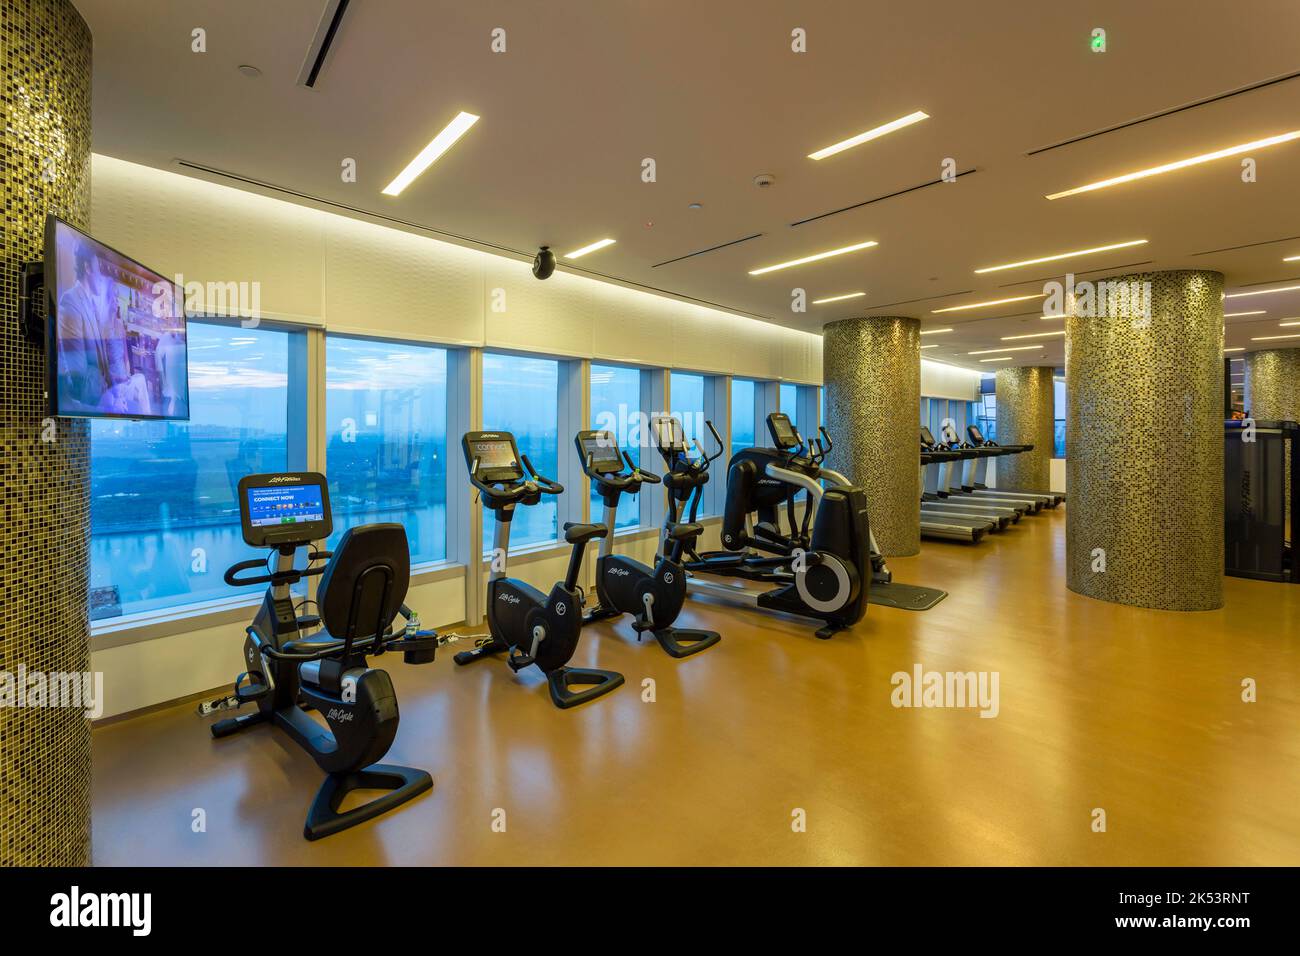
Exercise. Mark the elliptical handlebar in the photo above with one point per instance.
(638, 475)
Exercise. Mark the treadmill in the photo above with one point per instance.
(952, 524)
(942, 487)
(974, 477)
(932, 463)
(954, 482)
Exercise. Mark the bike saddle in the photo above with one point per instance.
(684, 531)
(576, 533)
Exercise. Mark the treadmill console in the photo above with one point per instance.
(976, 436)
(599, 452)
(492, 456)
(783, 434)
(289, 508)
(927, 437)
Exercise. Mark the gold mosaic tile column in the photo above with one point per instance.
(44, 463)
(1144, 433)
(872, 373)
(1026, 416)
(1273, 393)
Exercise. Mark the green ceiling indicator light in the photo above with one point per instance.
(1098, 40)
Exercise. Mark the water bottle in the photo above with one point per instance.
(413, 626)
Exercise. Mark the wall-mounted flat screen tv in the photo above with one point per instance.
(115, 333)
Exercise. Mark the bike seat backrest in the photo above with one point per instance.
(355, 589)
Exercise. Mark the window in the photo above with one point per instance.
(521, 395)
(742, 414)
(687, 399)
(1058, 387)
(163, 513)
(386, 439)
(790, 402)
(616, 407)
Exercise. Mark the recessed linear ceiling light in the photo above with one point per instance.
(1035, 335)
(1242, 295)
(1290, 322)
(1230, 315)
(980, 305)
(437, 146)
(1292, 259)
(1004, 358)
(839, 298)
(598, 244)
(1269, 338)
(813, 258)
(1062, 255)
(934, 331)
(1181, 164)
(1014, 348)
(929, 346)
(1240, 348)
(869, 135)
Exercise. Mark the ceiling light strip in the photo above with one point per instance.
(1063, 255)
(879, 131)
(1181, 164)
(980, 305)
(815, 257)
(444, 141)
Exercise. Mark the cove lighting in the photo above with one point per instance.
(1180, 164)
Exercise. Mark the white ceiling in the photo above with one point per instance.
(712, 91)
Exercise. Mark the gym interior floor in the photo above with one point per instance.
(1137, 712)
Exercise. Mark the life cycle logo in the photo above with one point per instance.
(947, 689)
(1109, 298)
(508, 598)
(82, 691)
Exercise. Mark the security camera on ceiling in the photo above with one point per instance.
(544, 263)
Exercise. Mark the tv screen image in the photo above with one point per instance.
(116, 332)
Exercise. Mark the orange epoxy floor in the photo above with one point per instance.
(1136, 712)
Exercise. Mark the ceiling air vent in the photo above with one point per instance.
(319, 49)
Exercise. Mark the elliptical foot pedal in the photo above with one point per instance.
(596, 682)
(402, 784)
(827, 632)
(683, 642)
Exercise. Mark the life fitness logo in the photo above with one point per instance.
(561, 609)
(284, 479)
(668, 577)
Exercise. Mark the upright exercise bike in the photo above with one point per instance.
(653, 596)
(291, 672)
(528, 626)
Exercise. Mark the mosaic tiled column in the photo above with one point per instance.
(1273, 394)
(44, 463)
(1144, 431)
(872, 373)
(1026, 416)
